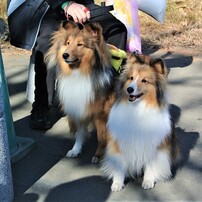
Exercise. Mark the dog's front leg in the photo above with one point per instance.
(102, 139)
(148, 180)
(157, 170)
(76, 150)
(118, 180)
(113, 165)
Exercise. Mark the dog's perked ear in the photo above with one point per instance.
(67, 24)
(159, 66)
(140, 58)
(95, 30)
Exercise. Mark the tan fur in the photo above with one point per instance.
(80, 45)
(113, 146)
(82, 52)
(141, 67)
(141, 133)
(171, 144)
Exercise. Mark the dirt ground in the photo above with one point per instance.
(183, 39)
(187, 41)
(181, 32)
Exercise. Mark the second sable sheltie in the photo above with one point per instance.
(141, 134)
(85, 80)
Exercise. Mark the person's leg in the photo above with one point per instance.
(114, 31)
(41, 94)
(40, 114)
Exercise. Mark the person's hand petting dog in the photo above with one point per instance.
(78, 12)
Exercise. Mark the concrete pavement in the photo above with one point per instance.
(45, 175)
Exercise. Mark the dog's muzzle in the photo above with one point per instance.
(68, 60)
(131, 96)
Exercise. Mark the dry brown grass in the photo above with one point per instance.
(181, 29)
(185, 12)
(3, 4)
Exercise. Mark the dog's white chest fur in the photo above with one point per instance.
(139, 130)
(75, 93)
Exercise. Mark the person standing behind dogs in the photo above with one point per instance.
(31, 24)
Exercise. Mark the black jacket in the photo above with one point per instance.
(25, 21)
(55, 4)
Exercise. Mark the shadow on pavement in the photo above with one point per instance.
(51, 149)
(171, 59)
(48, 151)
(177, 60)
(186, 140)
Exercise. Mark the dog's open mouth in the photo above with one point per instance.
(71, 62)
(132, 98)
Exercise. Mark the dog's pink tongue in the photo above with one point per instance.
(132, 98)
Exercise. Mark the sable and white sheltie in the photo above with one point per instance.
(141, 134)
(85, 80)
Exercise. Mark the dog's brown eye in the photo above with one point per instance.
(79, 44)
(67, 43)
(144, 80)
(131, 78)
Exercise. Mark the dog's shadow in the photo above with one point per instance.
(90, 188)
(186, 140)
(171, 59)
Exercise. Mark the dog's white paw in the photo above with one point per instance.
(117, 186)
(72, 153)
(148, 184)
(95, 159)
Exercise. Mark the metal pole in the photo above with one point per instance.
(6, 183)
(7, 111)
(18, 146)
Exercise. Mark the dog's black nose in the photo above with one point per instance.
(65, 55)
(130, 90)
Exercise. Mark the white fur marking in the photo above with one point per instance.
(76, 150)
(139, 130)
(75, 93)
(157, 170)
(133, 85)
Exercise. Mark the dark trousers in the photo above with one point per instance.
(114, 33)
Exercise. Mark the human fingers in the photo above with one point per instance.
(87, 12)
(78, 16)
(78, 12)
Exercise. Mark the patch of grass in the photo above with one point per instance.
(180, 11)
(181, 28)
(3, 8)
(187, 12)
(184, 12)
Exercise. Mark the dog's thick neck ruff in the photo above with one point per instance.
(76, 92)
(85, 81)
(141, 136)
(139, 130)
(85, 75)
